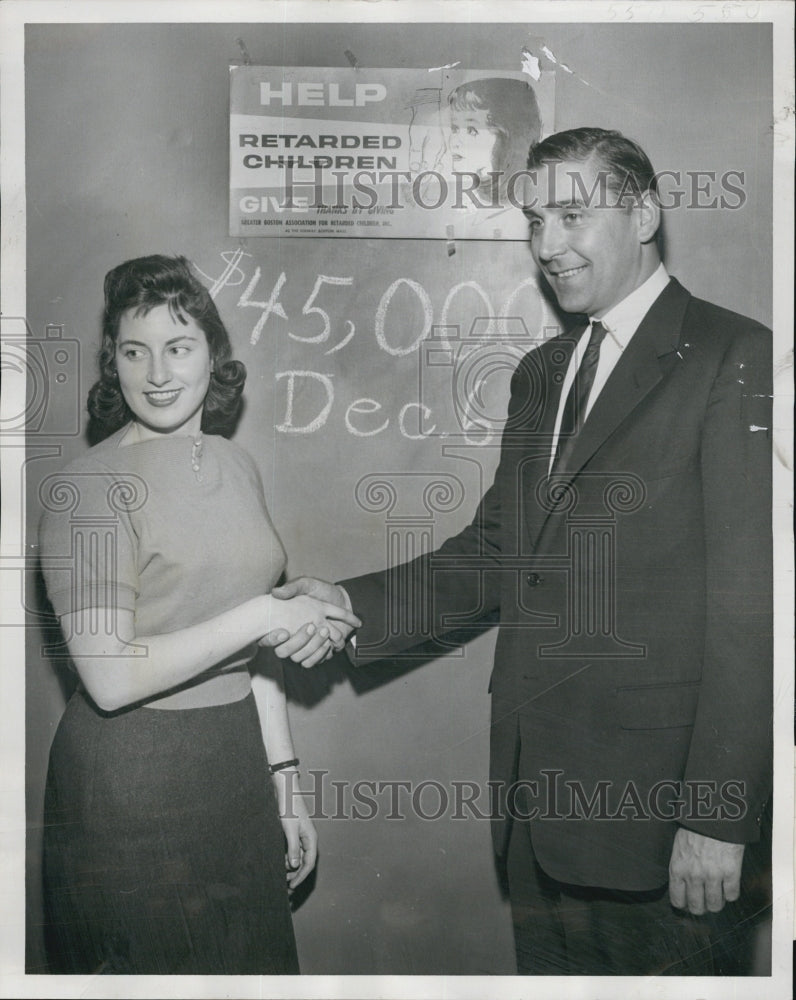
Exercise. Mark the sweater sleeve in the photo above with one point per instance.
(87, 542)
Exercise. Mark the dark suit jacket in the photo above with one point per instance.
(631, 688)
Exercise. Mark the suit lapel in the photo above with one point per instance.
(637, 372)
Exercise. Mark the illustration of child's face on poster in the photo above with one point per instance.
(471, 142)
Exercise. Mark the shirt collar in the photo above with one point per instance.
(624, 319)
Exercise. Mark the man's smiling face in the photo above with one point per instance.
(588, 247)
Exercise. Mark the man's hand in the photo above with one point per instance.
(301, 647)
(310, 587)
(703, 873)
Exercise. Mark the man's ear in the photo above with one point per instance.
(649, 216)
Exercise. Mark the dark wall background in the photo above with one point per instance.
(127, 137)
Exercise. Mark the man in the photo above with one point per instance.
(626, 542)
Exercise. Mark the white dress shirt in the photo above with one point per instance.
(621, 322)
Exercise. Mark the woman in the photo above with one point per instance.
(163, 849)
(493, 123)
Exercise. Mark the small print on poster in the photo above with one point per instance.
(401, 154)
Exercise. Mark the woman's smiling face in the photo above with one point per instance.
(163, 362)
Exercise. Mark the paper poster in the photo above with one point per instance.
(383, 153)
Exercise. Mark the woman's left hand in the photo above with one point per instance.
(300, 833)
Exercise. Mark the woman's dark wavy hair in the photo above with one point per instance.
(138, 286)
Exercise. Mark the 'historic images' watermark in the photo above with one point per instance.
(549, 799)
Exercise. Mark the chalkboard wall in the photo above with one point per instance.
(127, 138)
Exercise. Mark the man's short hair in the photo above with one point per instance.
(628, 166)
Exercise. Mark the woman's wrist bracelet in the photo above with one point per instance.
(283, 765)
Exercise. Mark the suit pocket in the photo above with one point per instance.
(657, 706)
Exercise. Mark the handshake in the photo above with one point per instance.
(327, 621)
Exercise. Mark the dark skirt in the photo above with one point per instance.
(163, 850)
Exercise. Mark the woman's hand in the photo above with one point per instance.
(321, 625)
(299, 646)
(300, 834)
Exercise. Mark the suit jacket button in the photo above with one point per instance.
(533, 579)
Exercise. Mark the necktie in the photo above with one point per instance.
(575, 406)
